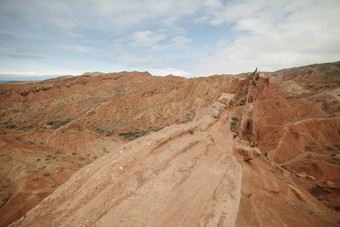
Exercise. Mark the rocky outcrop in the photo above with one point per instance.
(223, 101)
(215, 109)
(226, 99)
(248, 153)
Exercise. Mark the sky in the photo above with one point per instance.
(46, 38)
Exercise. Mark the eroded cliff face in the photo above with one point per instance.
(107, 103)
(298, 133)
(257, 151)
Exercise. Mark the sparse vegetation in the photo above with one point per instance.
(58, 124)
(335, 162)
(32, 127)
(251, 98)
(308, 148)
(280, 177)
(134, 135)
(266, 157)
(11, 126)
(311, 210)
(98, 130)
(48, 157)
(234, 124)
(259, 88)
(157, 129)
(184, 121)
(329, 148)
(191, 131)
(242, 102)
(336, 146)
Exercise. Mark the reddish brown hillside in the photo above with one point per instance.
(107, 103)
(52, 128)
(216, 151)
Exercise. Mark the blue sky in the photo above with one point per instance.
(183, 37)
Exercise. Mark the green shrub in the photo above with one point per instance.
(308, 148)
(241, 103)
(32, 127)
(191, 131)
(329, 148)
(234, 123)
(50, 122)
(133, 135)
(336, 146)
(11, 126)
(58, 124)
(235, 119)
(266, 157)
(98, 130)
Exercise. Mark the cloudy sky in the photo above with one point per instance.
(182, 37)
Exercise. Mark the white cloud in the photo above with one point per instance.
(146, 38)
(17, 74)
(103, 15)
(168, 71)
(268, 34)
(79, 49)
(274, 35)
(130, 59)
(25, 56)
(178, 43)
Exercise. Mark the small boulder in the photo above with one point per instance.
(330, 184)
(248, 153)
(301, 175)
(226, 98)
(310, 177)
(214, 110)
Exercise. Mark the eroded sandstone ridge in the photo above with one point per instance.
(169, 178)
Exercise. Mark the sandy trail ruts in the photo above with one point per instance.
(169, 178)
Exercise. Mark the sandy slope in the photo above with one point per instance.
(34, 164)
